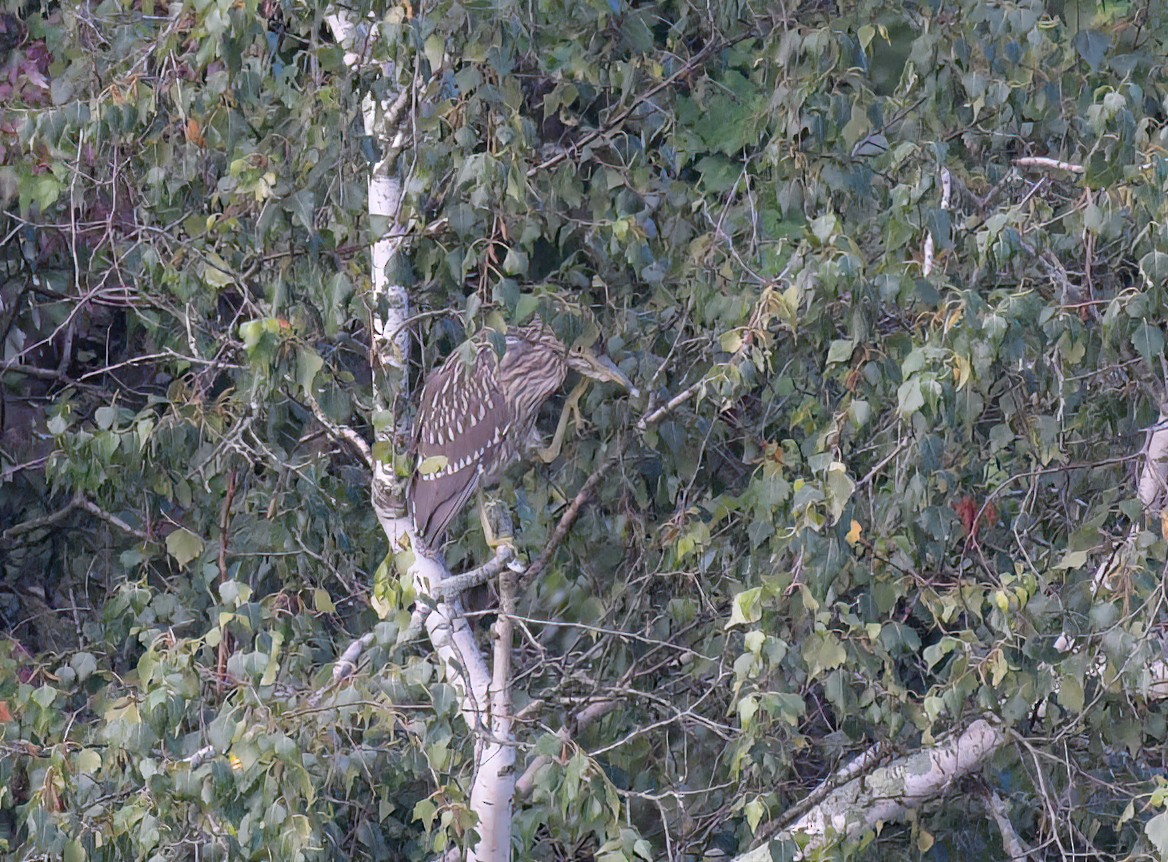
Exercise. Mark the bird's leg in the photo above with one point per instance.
(551, 452)
(496, 521)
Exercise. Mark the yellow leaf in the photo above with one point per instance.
(854, 532)
(432, 464)
(1164, 523)
(1000, 667)
(961, 370)
(754, 811)
(924, 841)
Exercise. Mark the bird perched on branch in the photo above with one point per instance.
(477, 418)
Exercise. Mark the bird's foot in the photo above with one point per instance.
(571, 411)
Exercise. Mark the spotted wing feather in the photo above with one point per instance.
(462, 419)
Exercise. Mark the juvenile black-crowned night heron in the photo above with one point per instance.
(477, 418)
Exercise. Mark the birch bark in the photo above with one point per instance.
(484, 699)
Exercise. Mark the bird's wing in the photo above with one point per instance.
(461, 432)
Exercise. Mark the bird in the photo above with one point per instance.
(477, 418)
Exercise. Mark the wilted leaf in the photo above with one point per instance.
(925, 840)
(1157, 831)
(746, 607)
(854, 532)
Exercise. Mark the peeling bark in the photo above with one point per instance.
(1153, 486)
(888, 793)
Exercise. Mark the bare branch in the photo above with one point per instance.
(615, 123)
(342, 433)
(79, 501)
(1046, 163)
(569, 518)
(1011, 843)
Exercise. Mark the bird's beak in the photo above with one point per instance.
(601, 368)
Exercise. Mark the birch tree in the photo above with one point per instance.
(873, 565)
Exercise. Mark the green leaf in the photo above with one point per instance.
(839, 489)
(746, 607)
(909, 397)
(435, 49)
(104, 416)
(425, 810)
(859, 412)
(88, 761)
(754, 811)
(515, 263)
(183, 546)
(747, 709)
(1070, 693)
(841, 350)
(272, 670)
(251, 332)
(1072, 560)
(301, 205)
(1154, 268)
(216, 272)
(308, 365)
(1148, 341)
(384, 581)
(84, 664)
(823, 652)
(525, 306)
(143, 429)
(74, 851)
(825, 227)
(1092, 47)
(322, 601)
(754, 641)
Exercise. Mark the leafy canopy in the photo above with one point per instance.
(881, 504)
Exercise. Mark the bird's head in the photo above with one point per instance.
(591, 364)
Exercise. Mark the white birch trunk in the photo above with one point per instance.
(484, 704)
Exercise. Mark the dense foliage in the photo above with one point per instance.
(882, 503)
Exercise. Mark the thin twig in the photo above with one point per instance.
(569, 518)
(111, 519)
(615, 123)
(79, 501)
(343, 433)
(224, 540)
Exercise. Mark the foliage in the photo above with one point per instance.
(879, 509)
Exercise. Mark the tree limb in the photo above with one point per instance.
(889, 793)
(78, 501)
